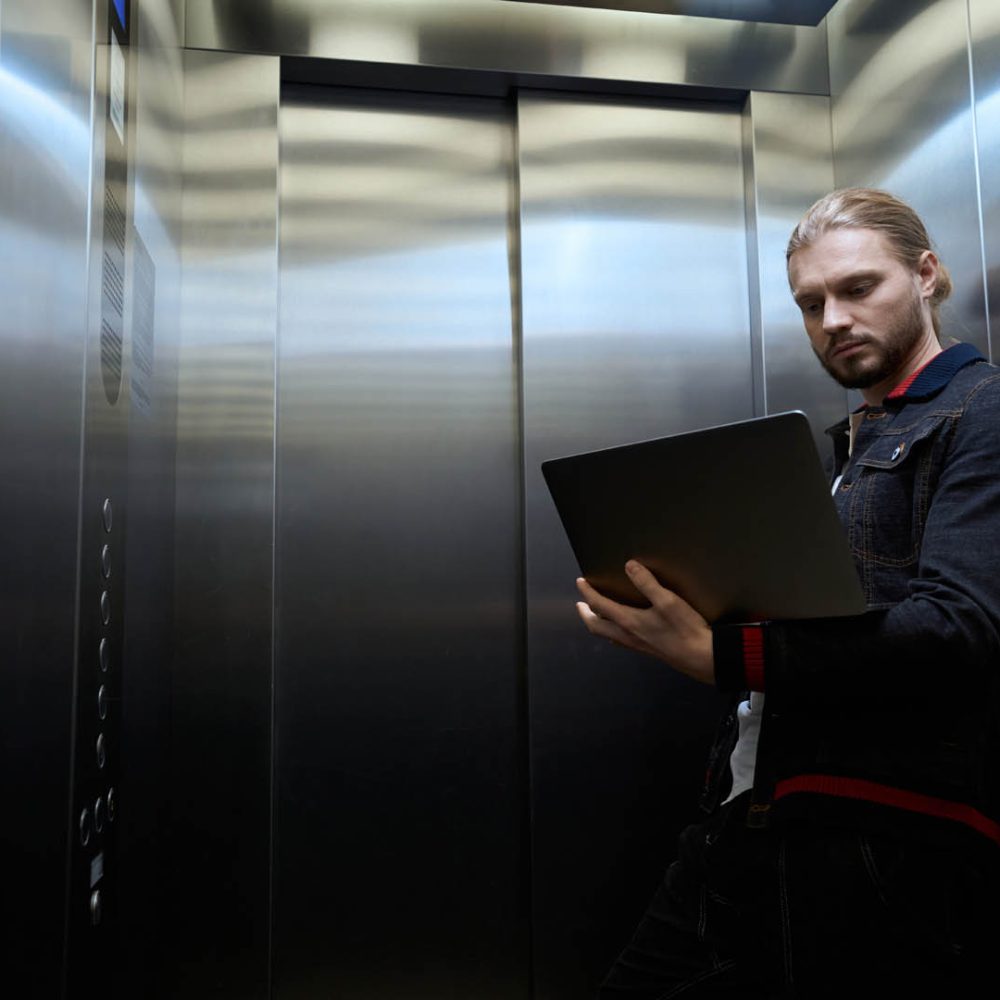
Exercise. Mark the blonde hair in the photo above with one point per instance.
(869, 208)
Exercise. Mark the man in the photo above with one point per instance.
(859, 841)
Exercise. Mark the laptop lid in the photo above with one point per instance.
(737, 519)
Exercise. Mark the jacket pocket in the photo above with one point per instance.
(896, 475)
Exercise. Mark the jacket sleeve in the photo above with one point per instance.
(944, 635)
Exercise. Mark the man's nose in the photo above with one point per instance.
(836, 316)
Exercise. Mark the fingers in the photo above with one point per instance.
(607, 618)
(604, 606)
(670, 629)
(598, 625)
(607, 629)
(640, 629)
(670, 606)
(645, 582)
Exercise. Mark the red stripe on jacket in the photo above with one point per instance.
(753, 656)
(872, 791)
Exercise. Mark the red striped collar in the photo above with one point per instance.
(900, 390)
(936, 374)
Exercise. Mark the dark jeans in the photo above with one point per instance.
(810, 912)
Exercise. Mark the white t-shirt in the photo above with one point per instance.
(744, 754)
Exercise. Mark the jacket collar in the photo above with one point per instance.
(935, 375)
(923, 383)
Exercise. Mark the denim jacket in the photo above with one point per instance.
(890, 717)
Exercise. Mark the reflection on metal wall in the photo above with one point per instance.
(221, 709)
(902, 120)
(635, 326)
(46, 63)
(501, 37)
(984, 21)
(789, 165)
(399, 800)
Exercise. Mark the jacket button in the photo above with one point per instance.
(900, 448)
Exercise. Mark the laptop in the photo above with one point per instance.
(737, 519)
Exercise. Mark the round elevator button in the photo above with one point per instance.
(102, 703)
(85, 827)
(104, 654)
(102, 751)
(107, 515)
(99, 815)
(95, 907)
(106, 562)
(105, 607)
(111, 804)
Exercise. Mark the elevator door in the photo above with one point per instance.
(400, 833)
(434, 691)
(635, 325)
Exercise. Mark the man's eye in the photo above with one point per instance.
(811, 308)
(859, 290)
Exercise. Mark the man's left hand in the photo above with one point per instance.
(670, 630)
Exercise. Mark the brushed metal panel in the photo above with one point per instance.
(984, 23)
(499, 37)
(46, 66)
(789, 157)
(902, 120)
(145, 886)
(636, 325)
(399, 864)
(221, 706)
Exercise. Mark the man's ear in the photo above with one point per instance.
(928, 269)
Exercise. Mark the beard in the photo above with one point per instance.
(891, 350)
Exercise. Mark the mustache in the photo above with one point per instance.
(840, 345)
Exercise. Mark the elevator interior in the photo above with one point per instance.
(297, 296)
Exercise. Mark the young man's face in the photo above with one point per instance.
(866, 313)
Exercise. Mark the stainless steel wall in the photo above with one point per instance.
(636, 325)
(400, 807)
(46, 66)
(984, 37)
(222, 679)
(146, 848)
(903, 120)
(788, 159)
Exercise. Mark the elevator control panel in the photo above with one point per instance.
(97, 745)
